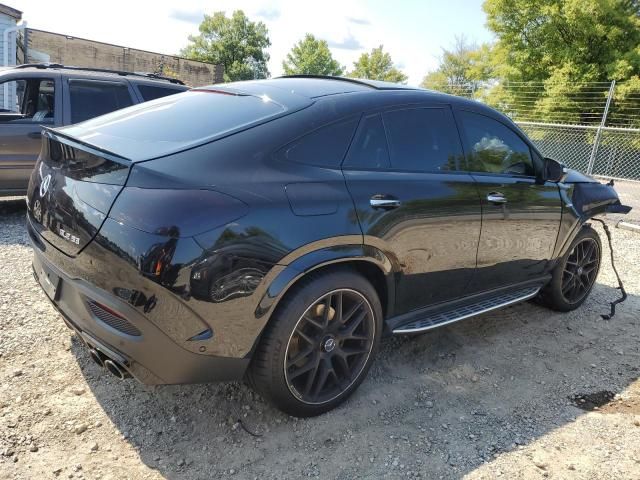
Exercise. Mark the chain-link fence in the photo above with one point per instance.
(571, 144)
(593, 127)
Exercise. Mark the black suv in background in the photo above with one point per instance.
(53, 95)
(280, 228)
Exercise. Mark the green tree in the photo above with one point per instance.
(553, 50)
(236, 43)
(311, 56)
(461, 68)
(596, 39)
(377, 65)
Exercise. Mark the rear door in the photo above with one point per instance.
(520, 218)
(414, 201)
(25, 105)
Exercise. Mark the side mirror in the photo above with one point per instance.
(553, 171)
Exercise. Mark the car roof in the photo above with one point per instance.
(313, 86)
(321, 85)
(378, 94)
(88, 72)
(291, 90)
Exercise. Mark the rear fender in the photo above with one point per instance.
(290, 274)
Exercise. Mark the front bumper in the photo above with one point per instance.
(151, 357)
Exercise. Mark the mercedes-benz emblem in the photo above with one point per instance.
(37, 211)
(329, 344)
(44, 185)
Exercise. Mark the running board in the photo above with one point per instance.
(461, 312)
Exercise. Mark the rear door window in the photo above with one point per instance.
(151, 92)
(92, 98)
(30, 100)
(369, 150)
(493, 147)
(423, 139)
(324, 147)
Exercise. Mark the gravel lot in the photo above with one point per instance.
(488, 397)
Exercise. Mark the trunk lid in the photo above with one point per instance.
(71, 190)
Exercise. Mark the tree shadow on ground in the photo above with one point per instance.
(12, 205)
(437, 405)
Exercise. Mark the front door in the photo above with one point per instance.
(520, 217)
(25, 105)
(414, 202)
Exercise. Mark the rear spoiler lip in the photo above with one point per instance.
(73, 142)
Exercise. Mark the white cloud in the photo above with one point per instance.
(193, 16)
(349, 43)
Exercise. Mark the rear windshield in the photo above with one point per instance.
(168, 124)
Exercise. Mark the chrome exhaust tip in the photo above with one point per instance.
(115, 369)
(97, 357)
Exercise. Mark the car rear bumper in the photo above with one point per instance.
(149, 355)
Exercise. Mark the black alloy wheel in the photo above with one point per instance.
(329, 346)
(580, 270)
(319, 344)
(575, 274)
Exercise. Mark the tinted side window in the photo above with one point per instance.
(369, 148)
(150, 92)
(423, 139)
(90, 98)
(13, 101)
(28, 101)
(494, 147)
(324, 147)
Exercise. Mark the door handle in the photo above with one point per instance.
(34, 134)
(386, 202)
(496, 198)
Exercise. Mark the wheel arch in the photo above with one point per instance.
(369, 261)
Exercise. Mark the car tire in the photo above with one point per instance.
(310, 357)
(575, 274)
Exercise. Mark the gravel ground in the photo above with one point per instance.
(494, 396)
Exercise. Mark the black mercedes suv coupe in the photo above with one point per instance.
(275, 230)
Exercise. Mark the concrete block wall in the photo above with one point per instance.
(81, 52)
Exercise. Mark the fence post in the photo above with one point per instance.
(596, 142)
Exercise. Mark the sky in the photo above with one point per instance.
(413, 31)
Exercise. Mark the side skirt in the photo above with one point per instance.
(444, 314)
